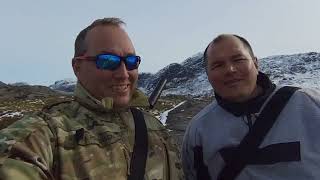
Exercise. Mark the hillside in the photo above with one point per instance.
(187, 82)
(189, 77)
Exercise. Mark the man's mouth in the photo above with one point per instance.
(123, 88)
(232, 82)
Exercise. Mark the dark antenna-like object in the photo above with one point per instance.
(157, 92)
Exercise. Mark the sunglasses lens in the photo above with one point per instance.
(108, 62)
(132, 62)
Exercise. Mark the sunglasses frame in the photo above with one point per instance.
(122, 58)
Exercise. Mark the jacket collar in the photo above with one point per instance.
(252, 105)
(86, 99)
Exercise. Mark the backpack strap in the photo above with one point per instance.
(140, 148)
(248, 146)
(199, 166)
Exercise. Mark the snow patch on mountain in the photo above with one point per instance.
(164, 115)
(194, 87)
(66, 85)
(302, 70)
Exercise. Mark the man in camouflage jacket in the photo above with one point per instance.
(92, 136)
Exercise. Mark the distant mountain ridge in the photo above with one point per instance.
(2, 84)
(66, 85)
(301, 70)
(189, 77)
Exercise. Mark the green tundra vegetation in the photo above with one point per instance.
(13, 109)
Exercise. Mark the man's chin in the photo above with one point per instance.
(122, 102)
(237, 98)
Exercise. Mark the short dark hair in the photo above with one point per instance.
(222, 37)
(80, 46)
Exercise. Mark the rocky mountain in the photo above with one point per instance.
(2, 84)
(66, 85)
(19, 84)
(23, 92)
(16, 101)
(301, 70)
(189, 77)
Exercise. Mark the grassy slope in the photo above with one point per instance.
(10, 108)
(7, 108)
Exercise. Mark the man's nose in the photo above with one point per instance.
(231, 68)
(121, 71)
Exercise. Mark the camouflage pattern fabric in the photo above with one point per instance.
(84, 139)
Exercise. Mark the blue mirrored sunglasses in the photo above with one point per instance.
(112, 61)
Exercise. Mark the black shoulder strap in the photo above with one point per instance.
(254, 138)
(199, 166)
(140, 148)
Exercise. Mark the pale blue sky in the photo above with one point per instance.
(37, 36)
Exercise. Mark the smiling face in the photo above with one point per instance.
(118, 84)
(231, 70)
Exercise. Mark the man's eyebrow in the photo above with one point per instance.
(236, 56)
(217, 61)
(131, 54)
(105, 52)
(108, 52)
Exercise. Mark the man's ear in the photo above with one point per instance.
(255, 61)
(76, 67)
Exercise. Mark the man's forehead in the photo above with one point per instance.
(109, 38)
(103, 31)
(227, 42)
(227, 47)
(217, 51)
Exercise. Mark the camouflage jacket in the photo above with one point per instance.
(84, 139)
